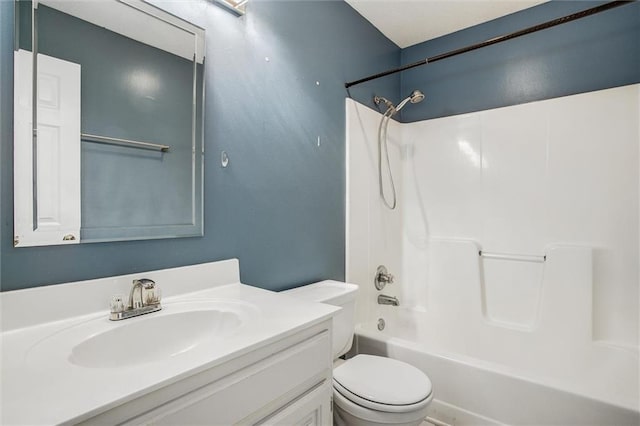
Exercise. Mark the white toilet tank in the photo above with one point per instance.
(337, 294)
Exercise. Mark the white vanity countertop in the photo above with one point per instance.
(41, 386)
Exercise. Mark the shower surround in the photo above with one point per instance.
(515, 251)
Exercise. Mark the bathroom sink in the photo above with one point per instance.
(154, 338)
(179, 329)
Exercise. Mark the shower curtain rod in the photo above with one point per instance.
(495, 40)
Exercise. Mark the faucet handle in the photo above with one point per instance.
(117, 303)
(152, 295)
(382, 278)
(388, 278)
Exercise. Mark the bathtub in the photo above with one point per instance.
(521, 307)
(473, 392)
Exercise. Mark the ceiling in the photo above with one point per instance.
(407, 22)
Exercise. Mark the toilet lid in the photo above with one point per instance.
(383, 380)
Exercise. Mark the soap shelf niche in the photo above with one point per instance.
(511, 287)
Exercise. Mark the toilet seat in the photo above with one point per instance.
(382, 384)
(375, 417)
(371, 405)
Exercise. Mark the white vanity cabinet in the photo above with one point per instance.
(218, 353)
(284, 383)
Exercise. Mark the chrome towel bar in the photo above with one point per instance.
(123, 142)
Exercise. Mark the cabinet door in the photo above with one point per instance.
(275, 381)
(312, 409)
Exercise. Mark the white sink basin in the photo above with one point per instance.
(179, 329)
(154, 338)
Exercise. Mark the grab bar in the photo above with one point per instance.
(123, 142)
(516, 257)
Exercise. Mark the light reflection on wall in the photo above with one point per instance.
(472, 155)
(144, 83)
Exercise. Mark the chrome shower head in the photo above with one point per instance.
(415, 97)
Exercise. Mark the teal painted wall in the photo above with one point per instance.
(593, 53)
(279, 206)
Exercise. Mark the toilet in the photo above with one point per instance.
(367, 389)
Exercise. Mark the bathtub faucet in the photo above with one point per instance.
(383, 299)
(382, 278)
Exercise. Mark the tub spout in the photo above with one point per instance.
(383, 299)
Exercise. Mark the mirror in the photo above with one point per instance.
(117, 149)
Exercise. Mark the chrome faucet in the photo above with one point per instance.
(383, 299)
(141, 284)
(383, 277)
(148, 301)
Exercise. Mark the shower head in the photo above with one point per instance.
(415, 97)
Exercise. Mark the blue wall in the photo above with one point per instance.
(593, 53)
(279, 206)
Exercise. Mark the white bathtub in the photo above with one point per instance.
(474, 392)
(518, 289)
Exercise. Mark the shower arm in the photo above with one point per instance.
(388, 103)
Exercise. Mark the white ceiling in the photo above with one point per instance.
(407, 22)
